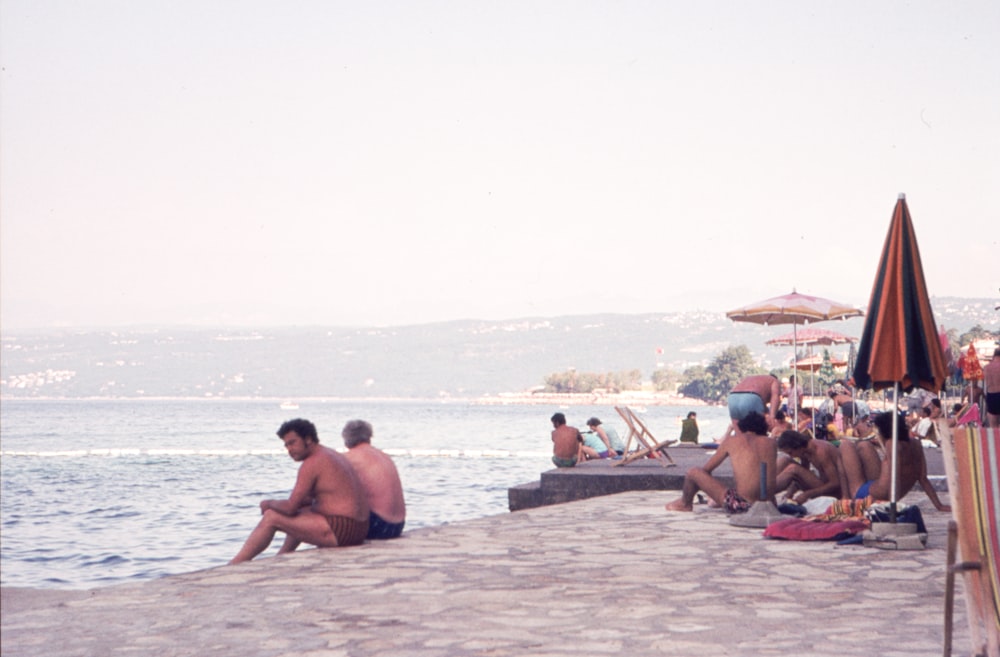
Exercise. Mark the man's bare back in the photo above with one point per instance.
(381, 482)
(747, 451)
(747, 448)
(862, 465)
(328, 479)
(565, 442)
(910, 466)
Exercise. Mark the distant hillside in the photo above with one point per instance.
(461, 359)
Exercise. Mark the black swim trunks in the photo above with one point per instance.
(379, 529)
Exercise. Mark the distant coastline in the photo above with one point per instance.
(633, 398)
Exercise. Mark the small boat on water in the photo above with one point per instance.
(289, 406)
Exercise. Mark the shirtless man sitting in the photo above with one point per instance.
(827, 480)
(327, 507)
(868, 475)
(566, 443)
(379, 478)
(748, 448)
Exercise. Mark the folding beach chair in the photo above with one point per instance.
(972, 466)
(642, 435)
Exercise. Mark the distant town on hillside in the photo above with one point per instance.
(449, 359)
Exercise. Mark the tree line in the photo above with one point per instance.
(713, 382)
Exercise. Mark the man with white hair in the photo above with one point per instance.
(380, 480)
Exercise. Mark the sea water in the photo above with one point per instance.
(99, 492)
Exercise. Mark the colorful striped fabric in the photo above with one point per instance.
(984, 457)
(972, 463)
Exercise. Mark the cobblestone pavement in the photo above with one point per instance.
(606, 575)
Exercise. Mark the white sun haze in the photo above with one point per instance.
(388, 163)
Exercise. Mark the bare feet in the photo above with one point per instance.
(679, 505)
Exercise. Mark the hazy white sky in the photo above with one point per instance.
(395, 162)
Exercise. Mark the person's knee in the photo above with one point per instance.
(270, 518)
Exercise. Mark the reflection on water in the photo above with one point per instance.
(101, 492)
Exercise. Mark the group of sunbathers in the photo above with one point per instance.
(853, 467)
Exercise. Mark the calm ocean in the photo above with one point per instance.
(103, 492)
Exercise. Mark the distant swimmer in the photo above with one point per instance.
(327, 508)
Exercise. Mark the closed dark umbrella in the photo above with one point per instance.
(899, 345)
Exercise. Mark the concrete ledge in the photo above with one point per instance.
(596, 478)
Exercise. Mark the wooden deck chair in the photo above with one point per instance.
(642, 435)
(972, 466)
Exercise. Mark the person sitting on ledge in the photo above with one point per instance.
(868, 475)
(380, 479)
(608, 436)
(800, 477)
(327, 507)
(748, 447)
(689, 429)
(566, 443)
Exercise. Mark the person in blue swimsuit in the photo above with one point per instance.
(608, 436)
(869, 475)
(380, 480)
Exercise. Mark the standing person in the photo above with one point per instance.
(925, 428)
(748, 447)
(689, 429)
(760, 393)
(327, 507)
(566, 443)
(379, 478)
(991, 379)
(608, 436)
(793, 391)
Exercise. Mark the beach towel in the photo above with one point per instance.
(798, 529)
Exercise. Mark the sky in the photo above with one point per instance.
(233, 163)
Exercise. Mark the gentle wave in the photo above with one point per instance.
(99, 493)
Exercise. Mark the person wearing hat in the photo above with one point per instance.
(608, 436)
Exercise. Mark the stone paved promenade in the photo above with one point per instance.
(614, 575)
